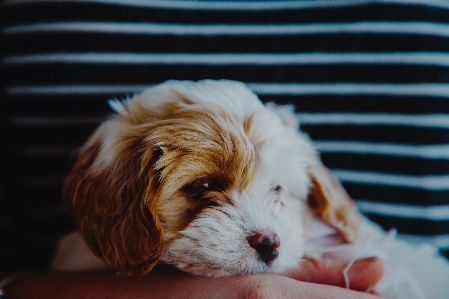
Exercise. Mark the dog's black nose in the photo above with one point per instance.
(266, 245)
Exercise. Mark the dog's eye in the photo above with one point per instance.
(276, 189)
(198, 187)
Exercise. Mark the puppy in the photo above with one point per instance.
(203, 176)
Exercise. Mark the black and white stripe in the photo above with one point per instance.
(369, 80)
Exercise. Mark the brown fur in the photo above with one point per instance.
(331, 202)
(122, 208)
(148, 171)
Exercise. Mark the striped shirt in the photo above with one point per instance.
(369, 80)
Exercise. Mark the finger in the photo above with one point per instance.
(362, 275)
(319, 291)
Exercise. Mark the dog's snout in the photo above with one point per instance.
(266, 245)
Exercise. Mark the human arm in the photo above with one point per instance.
(164, 282)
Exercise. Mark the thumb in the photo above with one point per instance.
(363, 274)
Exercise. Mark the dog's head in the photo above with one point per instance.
(205, 177)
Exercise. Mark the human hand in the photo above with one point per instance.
(165, 282)
(362, 275)
(322, 278)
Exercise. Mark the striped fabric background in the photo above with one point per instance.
(369, 80)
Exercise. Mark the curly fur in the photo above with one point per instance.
(185, 172)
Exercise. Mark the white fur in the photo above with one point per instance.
(214, 243)
(217, 238)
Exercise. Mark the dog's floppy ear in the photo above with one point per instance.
(111, 196)
(330, 201)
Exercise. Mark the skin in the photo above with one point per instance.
(316, 279)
